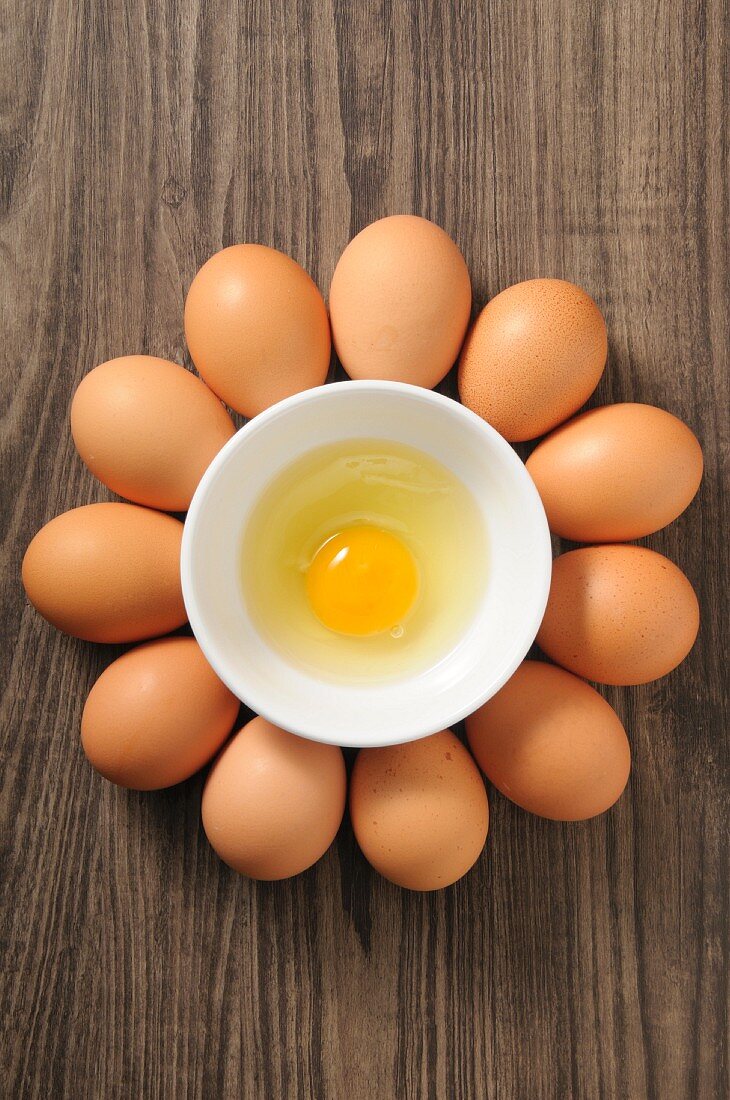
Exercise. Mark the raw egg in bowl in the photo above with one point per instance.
(366, 563)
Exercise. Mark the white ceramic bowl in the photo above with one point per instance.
(506, 617)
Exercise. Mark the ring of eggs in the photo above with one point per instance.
(551, 744)
(419, 811)
(107, 573)
(399, 302)
(273, 802)
(256, 326)
(156, 715)
(258, 330)
(618, 614)
(148, 429)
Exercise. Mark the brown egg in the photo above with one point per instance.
(399, 302)
(156, 715)
(618, 614)
(616, 473)
(273, 802)
(256, 327)
(419, 811)
(533, 356)
(107, 573)
(552, 744)
(148, 429)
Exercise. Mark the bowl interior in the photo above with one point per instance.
(506, 618)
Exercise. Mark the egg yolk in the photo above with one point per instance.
(362, 581)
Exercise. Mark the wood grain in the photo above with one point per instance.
(548, 137)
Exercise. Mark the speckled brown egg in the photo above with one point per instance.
(618, 614)
(419, 811)
(273, 802)
(400, 301)
(107, 573)
(156, 715)
(552, 744)
(616, 473)
(256, 327)
(533, 356)
(148, 429)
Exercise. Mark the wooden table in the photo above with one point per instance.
(563, 139)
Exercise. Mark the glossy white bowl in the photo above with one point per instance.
(507, 613)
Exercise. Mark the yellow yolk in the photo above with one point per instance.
(362, 581)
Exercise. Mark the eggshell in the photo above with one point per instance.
(616, 473)
(256, 327)
(419, 811)
(156, 715)
(273, 802)
(107, 573)
(148, 429)
(552, 744)
(618, 614)
(533, 356)
(399, 302)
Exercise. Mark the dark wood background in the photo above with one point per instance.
(548, 137)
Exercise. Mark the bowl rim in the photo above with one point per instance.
(267, 708)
